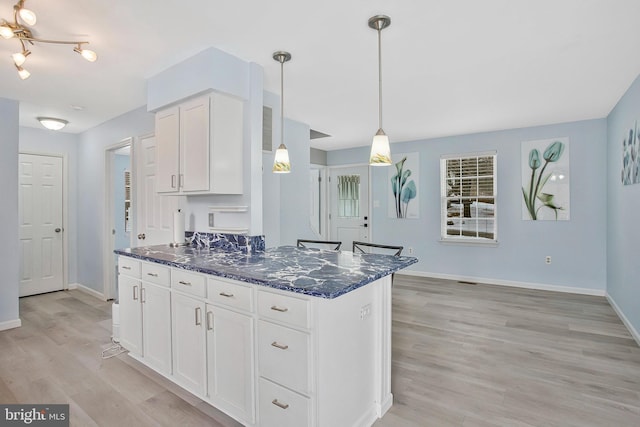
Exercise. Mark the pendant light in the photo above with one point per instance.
(281, 162)
(380, 151)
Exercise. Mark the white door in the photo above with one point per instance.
(156, 326)
(229, 360)
(188, 342)
(349, 195)
(130, 314)
(154, 212)
(40, 211)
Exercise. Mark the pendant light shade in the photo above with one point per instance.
(380, 150)
(281, 163)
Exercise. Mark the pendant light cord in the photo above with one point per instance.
(380, 75)
(281, 100)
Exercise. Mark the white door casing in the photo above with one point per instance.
(349, 226)
(41, 224)
(154, 212)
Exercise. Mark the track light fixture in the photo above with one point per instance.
(24, 18)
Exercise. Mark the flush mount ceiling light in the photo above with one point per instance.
(380, 150)
(281, 162)
(52, 123)
(24, 18)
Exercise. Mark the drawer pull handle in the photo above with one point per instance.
(135, 293)
(280, 346)
(280, 405)
(198, 316)
(226, 295)
(142, 295)
(152, 274)
(280, 309)
(124, 267)
(209, 321)
(182, 282)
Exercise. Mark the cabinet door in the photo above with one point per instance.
(227, 142)
(230, 361)
(168, 150)
(194, 145)
(130, 314)
(156, 326)
(188, 342)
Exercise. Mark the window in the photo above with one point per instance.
(348, 196)
(468, 192)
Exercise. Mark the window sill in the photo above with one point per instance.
(470, 242)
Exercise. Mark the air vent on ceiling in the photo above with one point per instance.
(267, 129)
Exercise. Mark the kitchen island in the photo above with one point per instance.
(282, 337)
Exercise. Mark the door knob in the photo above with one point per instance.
(57, 230)
(142, 236)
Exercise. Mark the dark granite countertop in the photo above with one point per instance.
(319, 273)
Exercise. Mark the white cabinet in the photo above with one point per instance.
(156, 326)
(130, 313)
(230, 382)
(200, 146)
(145, 312)
(188, 342)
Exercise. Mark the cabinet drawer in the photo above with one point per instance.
(280, 407)
(156, 273)
(189, 282)
(283, 355)
(229, 294)
(283, 308)
(129, 266)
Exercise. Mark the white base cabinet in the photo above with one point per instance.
(189, 351)
(263, 356)
(230, 383)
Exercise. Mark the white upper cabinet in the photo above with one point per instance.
(200, 146)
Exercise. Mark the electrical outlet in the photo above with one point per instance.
(365, 311)
(410, 250)
(547, 259)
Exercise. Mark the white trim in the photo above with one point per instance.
(10, 324)
(87, 290)
(108, 260)
(509, 283)
(634, 333)
(470, 154)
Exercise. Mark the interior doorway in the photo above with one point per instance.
(119, 190)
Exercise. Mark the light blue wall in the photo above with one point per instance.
(294, 186)
(623, 201)
(577, 247)
(121, 164)
(91, 188)
(9, 255)
(209, 69)
(44, 141)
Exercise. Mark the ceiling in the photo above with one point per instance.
(449, 67)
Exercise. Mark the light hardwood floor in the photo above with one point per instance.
(481, 355)
(463, 355)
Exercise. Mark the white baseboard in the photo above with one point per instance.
(634, 333)
(510, 283)
(10, 324)
(87, 290)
